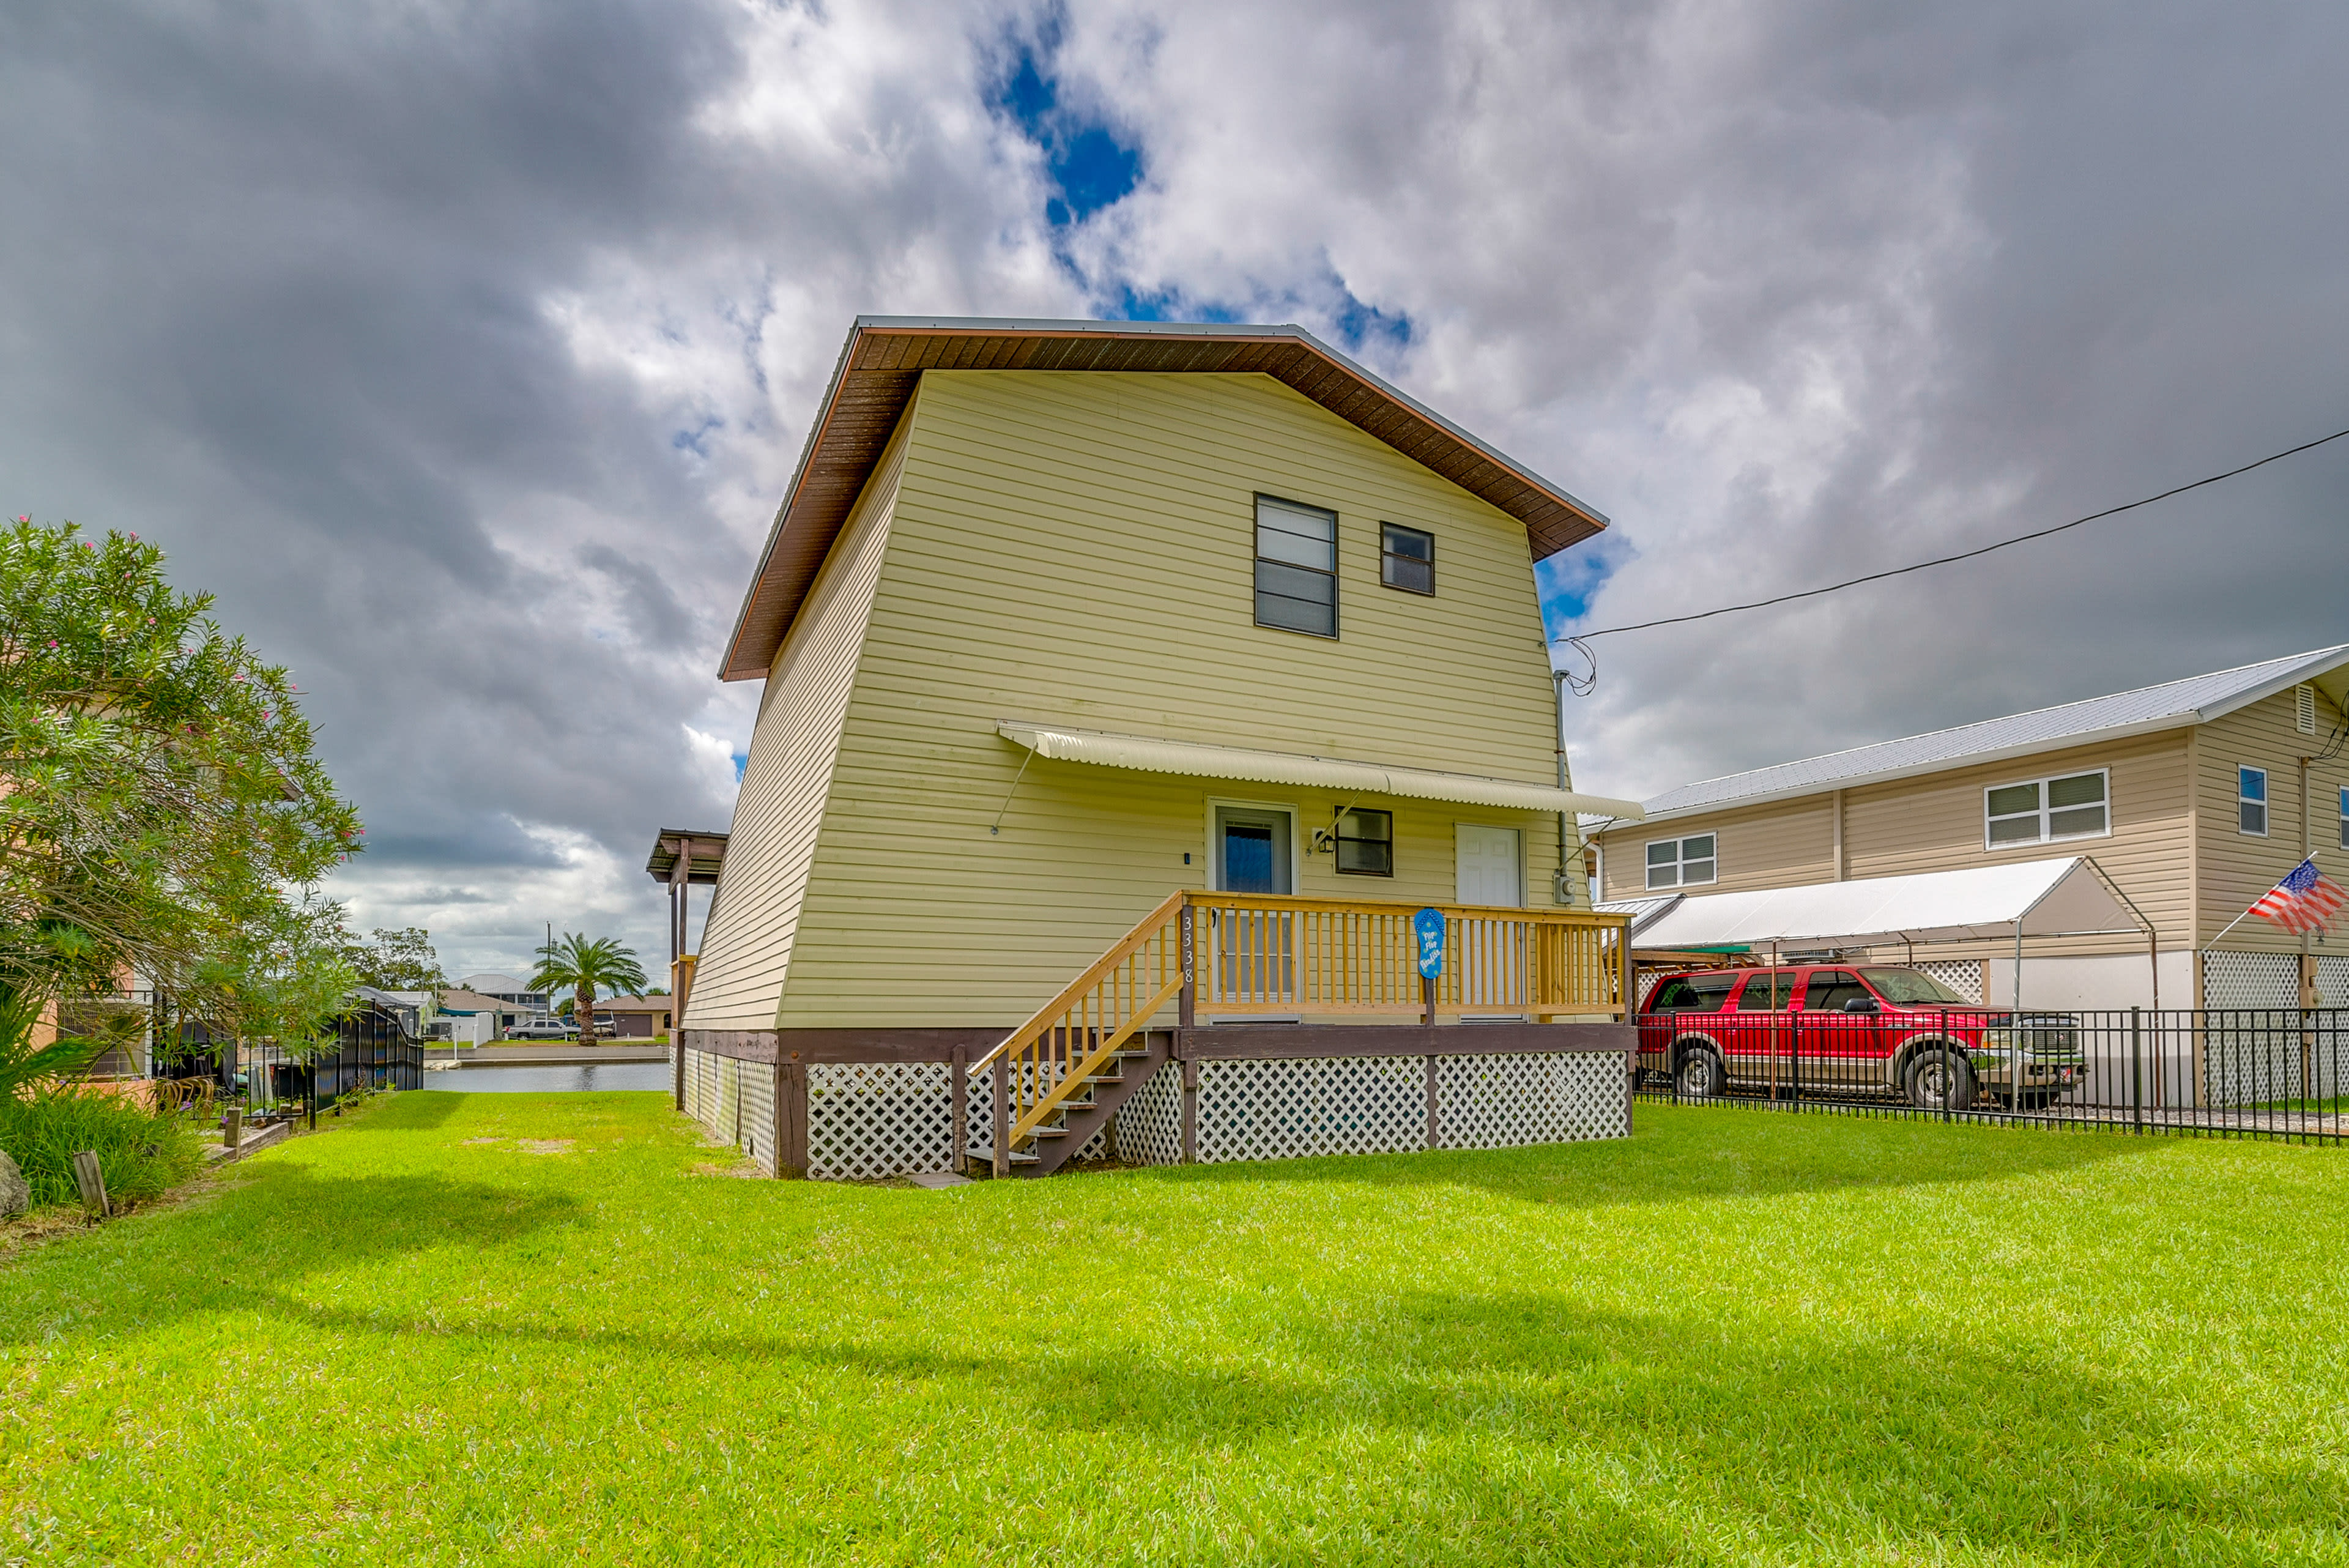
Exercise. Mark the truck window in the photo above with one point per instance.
(1692, 994)
(1829, 989)
(1764, 992)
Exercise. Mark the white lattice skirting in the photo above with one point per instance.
(735, 1100)
(1376, 1104)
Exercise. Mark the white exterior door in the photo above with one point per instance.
(1490, 869)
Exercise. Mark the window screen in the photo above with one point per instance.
(1682, 862)
(1366, 844)
(2072, 806)
(1406, 558)
(2252, 797)
(1296, 567)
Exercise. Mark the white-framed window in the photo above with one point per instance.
(2345, 820)
(2252, 800)
(1682, 862)
(2042, 811)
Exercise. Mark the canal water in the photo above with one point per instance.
(551, 1080)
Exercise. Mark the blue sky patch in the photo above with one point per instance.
(1089, 165)
(1570, 579)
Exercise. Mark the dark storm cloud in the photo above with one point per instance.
(464, 350)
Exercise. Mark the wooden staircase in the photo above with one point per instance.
(1072, 1123)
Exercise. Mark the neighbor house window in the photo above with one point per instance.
(2345, 820)
(1681, 862)
(2251, 799)
(1406, 558)
(1296, 567)
(1366, 844)
(2044, 810)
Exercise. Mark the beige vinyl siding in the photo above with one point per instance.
(1935, 823)
(746, 949)
(1079, 549)
(2237, 867)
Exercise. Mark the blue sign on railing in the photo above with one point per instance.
(1428, 924)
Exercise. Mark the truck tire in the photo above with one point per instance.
(1939, 1080)
(1699, 1076)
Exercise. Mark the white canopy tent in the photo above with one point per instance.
(2066, 898)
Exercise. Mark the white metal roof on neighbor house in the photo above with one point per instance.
(2064, 898)
(1197, 760)
(2196, 699)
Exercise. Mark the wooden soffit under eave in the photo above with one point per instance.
(883, 362)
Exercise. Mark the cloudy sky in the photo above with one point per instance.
(464, 348)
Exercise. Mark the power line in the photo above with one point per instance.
(1584, 684)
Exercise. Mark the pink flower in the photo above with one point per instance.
(27, 518)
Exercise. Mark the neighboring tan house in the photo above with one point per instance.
(2193, 798)
(633, 1017)
(1070, 626)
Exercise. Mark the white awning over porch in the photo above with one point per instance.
(1200, 761)
(2068, 897)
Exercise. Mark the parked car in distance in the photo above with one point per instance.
(1857, 1027)
(542, 1031)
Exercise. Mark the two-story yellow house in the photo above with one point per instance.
(2193, 798)
(1129, 688)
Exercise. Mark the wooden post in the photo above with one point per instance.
(1002, 1139)
(958, 1084)
(1433, 1125)
(791, 1116)
(1190, 1111)
(231, 1127)
(1187, 1005)
(92, 1182)
(1623, 984)
(1427, 995)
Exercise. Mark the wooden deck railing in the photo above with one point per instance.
(1242, 955)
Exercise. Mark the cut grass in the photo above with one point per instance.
(1736, 1338)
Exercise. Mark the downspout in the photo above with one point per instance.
(1569, 841)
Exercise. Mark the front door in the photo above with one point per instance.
(1253, 947)
(1490, 871)
(1251, 850)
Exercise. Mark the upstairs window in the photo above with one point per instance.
(1682, 862)
(2252, 800)
(1366, 844)
(1406, 558)
(1296, 567)
(2044, 810)
(2345, 820)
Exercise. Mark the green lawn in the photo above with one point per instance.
(1738, 1337)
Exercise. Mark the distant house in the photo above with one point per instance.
(501, 1011)
(1130, 687)
(2193, 798)
(634, 1017)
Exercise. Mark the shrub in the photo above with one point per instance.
(143, 1155)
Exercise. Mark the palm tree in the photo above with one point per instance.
(579, 966)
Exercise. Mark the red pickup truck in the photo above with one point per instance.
(1826, 1028)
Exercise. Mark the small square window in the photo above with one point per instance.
(2251, 799)
(1366, 844)
(1296, 567)
(2345, 820)
(1406, 558)
(1682, 862)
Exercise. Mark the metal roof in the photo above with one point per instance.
(2197, 699)
(882, 361)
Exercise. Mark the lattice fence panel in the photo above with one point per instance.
(2332, 982)
(1964, 976)
(871, 1119)
(755, 1100)
(1502, 1102)
(2250, 979)
(1150, 1123)
(1286, 1110)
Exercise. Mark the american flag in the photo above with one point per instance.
(2302, 901)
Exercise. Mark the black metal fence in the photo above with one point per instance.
(2238, 1073)
(372, 1049)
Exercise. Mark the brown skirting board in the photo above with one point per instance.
(1218, 1041)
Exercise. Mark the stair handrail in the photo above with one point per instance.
(1124, 948)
